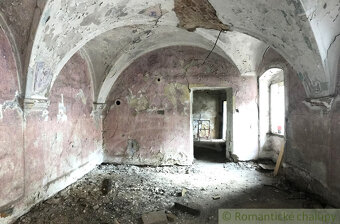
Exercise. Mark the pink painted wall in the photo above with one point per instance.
(11, 132)
(63, 140)
(152, 123)
(55, 147)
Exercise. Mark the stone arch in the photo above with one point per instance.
(86, 57)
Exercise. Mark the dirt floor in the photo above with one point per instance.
(122, 193)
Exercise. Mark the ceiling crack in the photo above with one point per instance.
(335, 37)
(159, 17)
(218, 37)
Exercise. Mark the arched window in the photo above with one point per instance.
(277, 107)
(271, 105)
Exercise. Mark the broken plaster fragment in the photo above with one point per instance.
(187, 209)
(61, 117)
(216, 197)
(194, 14)
(171, 217)
(320, 103)
(158, 217)
(81, 96)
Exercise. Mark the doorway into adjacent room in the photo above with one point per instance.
(209, 124)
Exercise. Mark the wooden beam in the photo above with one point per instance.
(279, 159)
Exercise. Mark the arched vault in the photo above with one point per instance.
(114, 50)
(295, 29)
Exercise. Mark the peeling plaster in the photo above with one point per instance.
(81, 96)
(163, 130)
(324, 103)
(103, 54)
(179, 95)
(299, 48)
(58, 39)
(194, 14)
(138, 103)
(61, 117)
(11, 105)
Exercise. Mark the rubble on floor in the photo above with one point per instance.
(179, 194)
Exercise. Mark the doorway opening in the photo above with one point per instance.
(209, 120)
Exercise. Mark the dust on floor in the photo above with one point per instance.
(123, 193)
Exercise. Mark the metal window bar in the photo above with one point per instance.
(203, 129)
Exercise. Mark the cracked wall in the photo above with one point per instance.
(312, 147)
(304, 32)
(289, 32)
(154, 106)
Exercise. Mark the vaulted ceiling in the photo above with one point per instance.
(112, 34)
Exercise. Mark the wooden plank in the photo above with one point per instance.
(279, 159)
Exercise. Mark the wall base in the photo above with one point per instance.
(305, 182)
(23, 206)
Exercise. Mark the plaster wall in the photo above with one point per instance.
(152, 123)
(312, 129)
(11, 128)
(65, 136)
(325, 22)
(49, 149)
(313, 149)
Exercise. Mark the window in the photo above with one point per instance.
(277, 108)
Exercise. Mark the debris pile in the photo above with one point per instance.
(125, 194)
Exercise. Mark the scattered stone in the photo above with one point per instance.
(268, 167)
(158, 217)
(171, 217)
(132, 195)
(187, 209)
(216, 197)
(54, 201)
(159, 191)
(106, 186)
(181, 193)
(234, 158)
(184, 191)
(6, 212)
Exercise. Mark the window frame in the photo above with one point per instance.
(270, 109)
